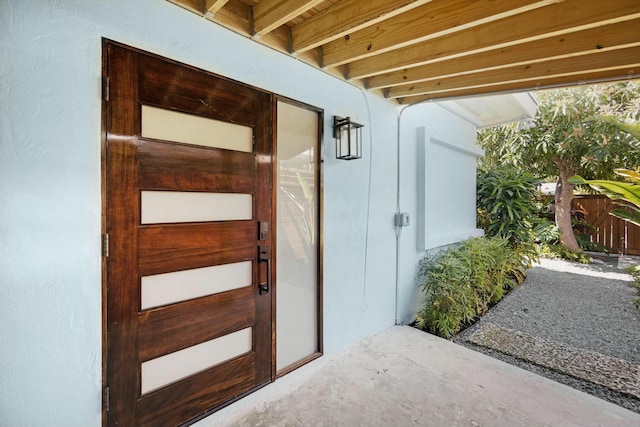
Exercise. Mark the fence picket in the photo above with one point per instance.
(617, 235)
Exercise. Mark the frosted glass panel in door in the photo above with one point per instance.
(184, 206)
(180, 127)
(169, 288)
(297, 227)
(164, 370)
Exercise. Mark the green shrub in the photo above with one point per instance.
(547, 238)
(506, 204)
(460, 283)
(556, 250)
(546, 232)
(585, 243)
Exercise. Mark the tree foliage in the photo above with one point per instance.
(576, 131)
(576, 125)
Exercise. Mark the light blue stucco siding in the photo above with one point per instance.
(50, 191)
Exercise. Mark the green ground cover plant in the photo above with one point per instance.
(462, 282)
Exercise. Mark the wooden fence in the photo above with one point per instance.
(618, 236)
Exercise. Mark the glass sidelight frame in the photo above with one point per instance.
(309, 348)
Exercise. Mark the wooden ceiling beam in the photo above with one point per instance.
(195, 6)
(236, 16)
(345, 17)
(574, 42)
(626, 59)
(270, 14)
(435, 19)
(565, 81)
(213, 6)
(609, 37)
(561, 18)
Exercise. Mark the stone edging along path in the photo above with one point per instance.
(610, 372)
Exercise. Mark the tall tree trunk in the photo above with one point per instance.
(564, 197)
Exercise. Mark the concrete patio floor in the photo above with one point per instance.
(405, 377)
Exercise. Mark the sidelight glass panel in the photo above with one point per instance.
(169, 288)
(297, 226)
(172, 126)
(177, 206)
(167, 369)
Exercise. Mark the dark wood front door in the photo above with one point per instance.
(188, 195)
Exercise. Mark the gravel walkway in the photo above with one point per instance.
(573, 306)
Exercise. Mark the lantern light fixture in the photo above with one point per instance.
(348, 136)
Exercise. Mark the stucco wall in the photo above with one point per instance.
(438, 159)
(50, 271)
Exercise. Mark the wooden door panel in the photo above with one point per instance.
(173, 166)
(173, 327)
(157, 266)
(120, 294)
(223, 99)
(164, 248)
(135, 338)
(189, 398)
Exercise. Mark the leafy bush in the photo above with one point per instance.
(547, 237)
(460, 283)
(507, 207)
(556, 250)
(506, 203)
(584, 240)
(546, 232)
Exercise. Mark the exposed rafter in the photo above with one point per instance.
(433, 20)
(212, 6)
(612, 37)
(345, 17)
(562, 18)
(414, 50)
(570, 80)
(623, 59)
(270, 14)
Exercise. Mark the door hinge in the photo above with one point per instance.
(105, 89)
(105, 245)
(106, 399)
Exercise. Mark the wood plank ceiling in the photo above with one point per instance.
(414, 50)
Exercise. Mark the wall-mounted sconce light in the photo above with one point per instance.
(348, 137)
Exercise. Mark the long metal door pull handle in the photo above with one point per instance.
(264, 287)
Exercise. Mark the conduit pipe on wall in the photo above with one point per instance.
(366, 235)
(398, 210)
